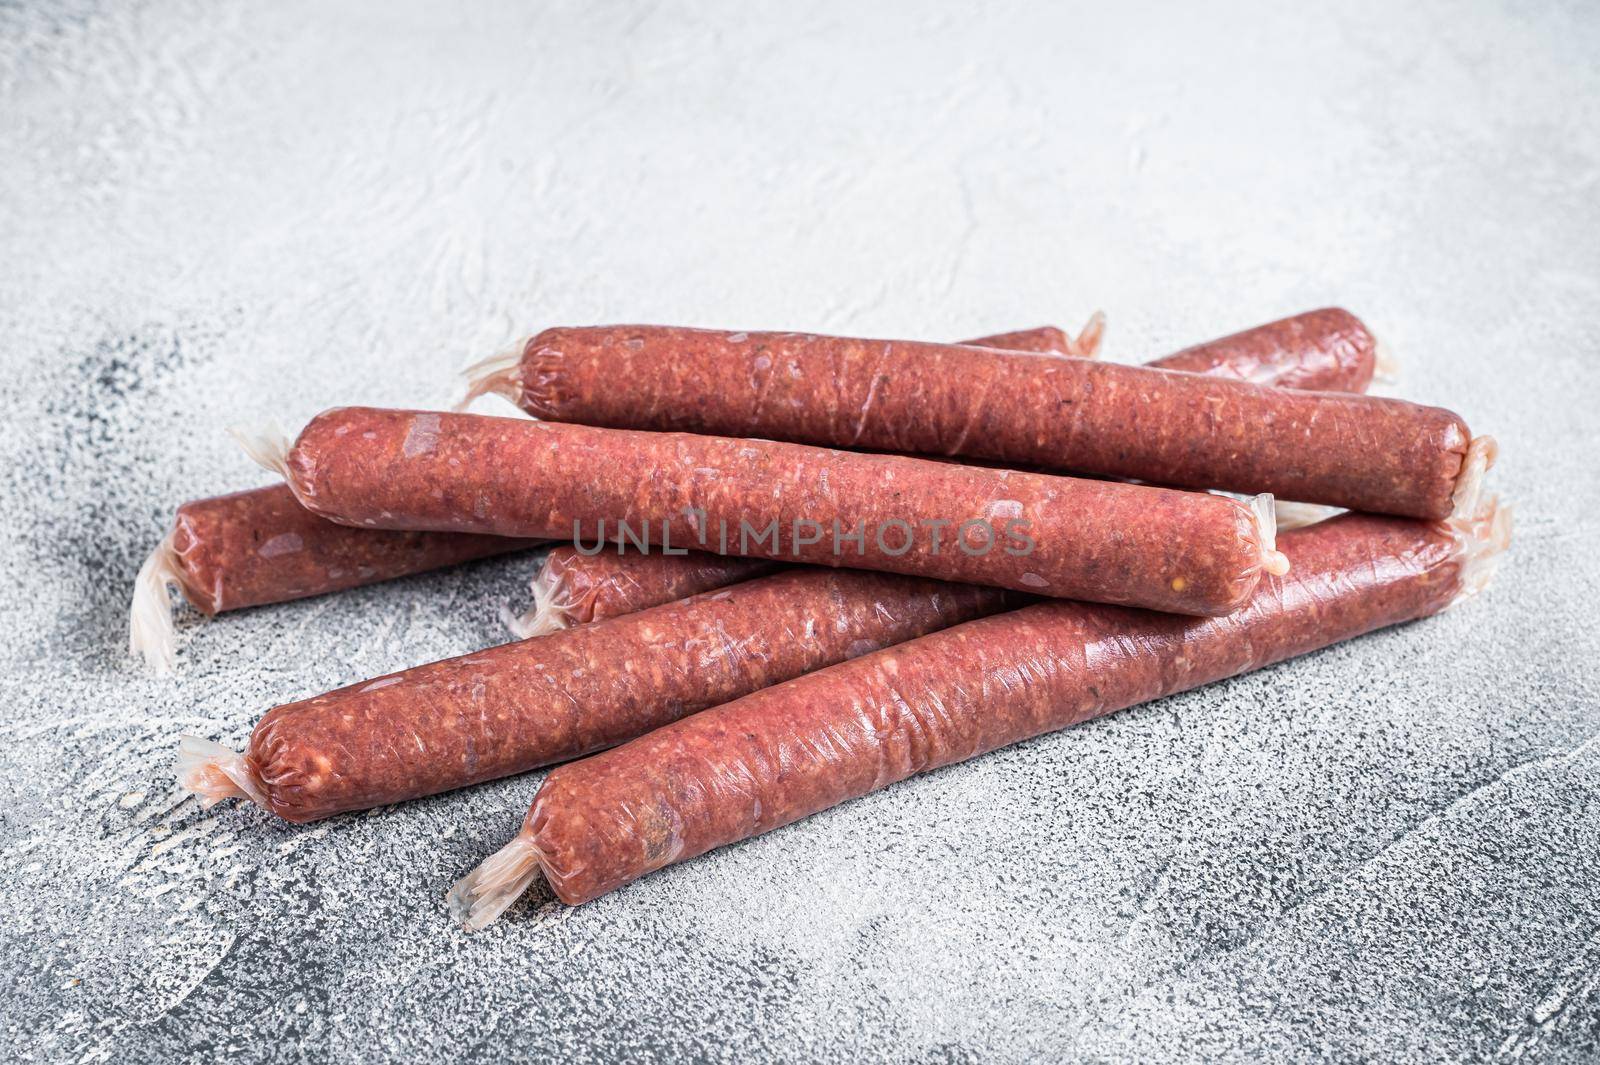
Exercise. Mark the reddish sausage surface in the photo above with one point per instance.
(1328, 350)
(573, 588)
(1044, 339)
(1191, 430)
(780, 754)
(1106, 542)
(511, 708)
(1048, 340)
(261, 546)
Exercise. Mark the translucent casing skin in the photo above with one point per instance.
(1190, 430)
(1044, 339)
(261, 546)
(521, 705)
(782, 753)
(1328, 349)
(1065, 537)
(612, 583)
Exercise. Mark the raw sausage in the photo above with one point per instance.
(498, 373)
(1191, 430)
(1045, 340)
(783, 753)
(1326, 349)
(574, 588)
(511, 708)
(1186, 552)
(256, 547)
(260, 546)
(1106, 542)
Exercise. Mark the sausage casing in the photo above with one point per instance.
(1059, 536)
(780, 754)
(575, 588)
(1191, 430)
(1328, 349)
(511, 708)
(261, 546)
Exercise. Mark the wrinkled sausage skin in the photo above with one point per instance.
(1326, 350)
(511, 708)
(1190, 430)
(610, 584)
(261, 546)
(1106, 542)
(1045, 340)
(785, 752)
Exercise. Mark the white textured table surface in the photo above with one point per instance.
(211, 213)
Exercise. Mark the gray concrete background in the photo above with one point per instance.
(211, 213)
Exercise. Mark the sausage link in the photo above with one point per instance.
(1043, 340)
(1106, 542)
(261, 546)
(574, 587)
(1049, 340)
(785, 752)
(511, 708)
(1329, 349)
(1190, 430)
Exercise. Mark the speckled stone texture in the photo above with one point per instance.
(212, 213)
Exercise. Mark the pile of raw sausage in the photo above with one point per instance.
(786, 570)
